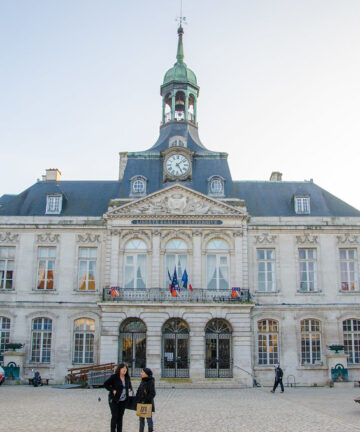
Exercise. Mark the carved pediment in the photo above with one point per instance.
(176, 200)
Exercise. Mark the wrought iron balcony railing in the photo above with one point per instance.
(164, 295)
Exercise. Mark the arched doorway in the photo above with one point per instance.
(218, 361)
(175, 349)
(132, 345)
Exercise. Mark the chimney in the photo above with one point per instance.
(52, 174)
(276, 176)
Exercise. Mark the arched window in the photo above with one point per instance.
(216, 185)
(167, 108)
(217, 265)
(132, 345)
(351, 332)
(138, 186)
(176, 258)
(135, 264)
(175, 353)
(180, 106)
(84, 334)
(41, 340)
(191, 108)
(4, 333)
(310, 341)
(268, 349)
(218, 349)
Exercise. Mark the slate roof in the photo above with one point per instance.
(91, 198)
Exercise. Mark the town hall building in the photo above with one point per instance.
(178, 267)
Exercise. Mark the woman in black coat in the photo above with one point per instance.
(145, 394)
(118, 385)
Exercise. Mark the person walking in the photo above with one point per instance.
(118, 385)
(278, 379)
(145, 394)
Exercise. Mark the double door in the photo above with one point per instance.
(175, 356)
(133, 352)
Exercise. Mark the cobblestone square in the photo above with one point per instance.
(24, 408)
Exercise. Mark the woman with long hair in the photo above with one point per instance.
(119, 385)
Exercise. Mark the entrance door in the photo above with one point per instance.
(218, 361)
(132, 346)
(175, 356)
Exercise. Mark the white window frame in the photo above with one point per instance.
(177, 250)
(351, 283)
(266, 261)
(352, 340)
(310, 333)
(49, 261)
(306, 262)
(219, 249)
(302, 204)
(84, 338)
(135, 249)
(269, 336)
(218, 180)
(5, 324)
(134, 181)
(88, 261)
(54, 203)
(43, 338)
(7, 265)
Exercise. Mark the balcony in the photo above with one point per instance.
(160, 295)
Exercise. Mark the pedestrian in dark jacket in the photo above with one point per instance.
(278, 379)
(118, 385)
(145, 394)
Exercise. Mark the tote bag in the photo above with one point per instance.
(143, 410)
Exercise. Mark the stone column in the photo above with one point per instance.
(238, 258)
(197, 353)
(114, 261)
(155, 275)
(196, 270)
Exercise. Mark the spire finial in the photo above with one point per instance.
(180, 50)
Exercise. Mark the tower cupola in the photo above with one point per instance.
(179, 90)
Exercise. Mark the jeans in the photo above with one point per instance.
(117, 413)
(276, 383)
(149, 422)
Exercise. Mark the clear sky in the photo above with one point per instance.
(279, 86)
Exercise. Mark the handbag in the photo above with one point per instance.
(131, 403)
(144, 410)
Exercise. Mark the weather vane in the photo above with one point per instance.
(181, 19)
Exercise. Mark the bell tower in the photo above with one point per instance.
(179, 90)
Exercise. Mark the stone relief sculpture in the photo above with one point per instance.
(8, 237)
(48, 238)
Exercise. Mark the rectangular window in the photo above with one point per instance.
(4, 334)
(41, 340)
(46, 268)
(310, 342)
(351, 333)
(87, 269)
(135, 271)
(7, 260)
(53, 204)
(307, 263)
(266, 270)
(268, 351)
(302, 204)
(348, 273)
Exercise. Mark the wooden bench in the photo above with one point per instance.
(45, 381)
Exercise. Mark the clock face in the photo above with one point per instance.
(177, 165)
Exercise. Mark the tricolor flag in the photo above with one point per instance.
(235, 292)
(170, 281)
(115, 291)
(185, 280)
(174, 285)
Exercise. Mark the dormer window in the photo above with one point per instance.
(54, 204)
(138, 186)
(177, 141)
(216, 186)
(302, 204)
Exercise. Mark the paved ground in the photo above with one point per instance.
(25, 408)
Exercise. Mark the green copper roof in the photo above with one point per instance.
(180, 72)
